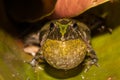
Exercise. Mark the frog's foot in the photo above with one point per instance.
(36, 65)
(89, 63)
(91, 59)
(33, 63)
(38, 58)
(104, 28)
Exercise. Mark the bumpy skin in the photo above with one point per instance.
(64, 55)
(65, 43)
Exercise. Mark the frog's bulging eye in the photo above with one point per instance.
(51, 26)
(75, 25)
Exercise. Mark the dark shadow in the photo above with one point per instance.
(21, 29)
(16, 28)
(94, 18)
(63, 74)
(25, 28)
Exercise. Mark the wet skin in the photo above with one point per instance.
(64, 44)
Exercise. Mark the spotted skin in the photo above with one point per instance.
(65, 44)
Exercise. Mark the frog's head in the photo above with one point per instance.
(64, 29)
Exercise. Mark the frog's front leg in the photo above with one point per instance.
(37, 55)
(91, 58)
(38, 58)
(32, 47)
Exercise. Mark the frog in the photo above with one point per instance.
(63, 44)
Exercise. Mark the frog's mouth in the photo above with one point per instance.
(64, 54)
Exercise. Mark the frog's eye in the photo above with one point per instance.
(75, 25)
(51, 26)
